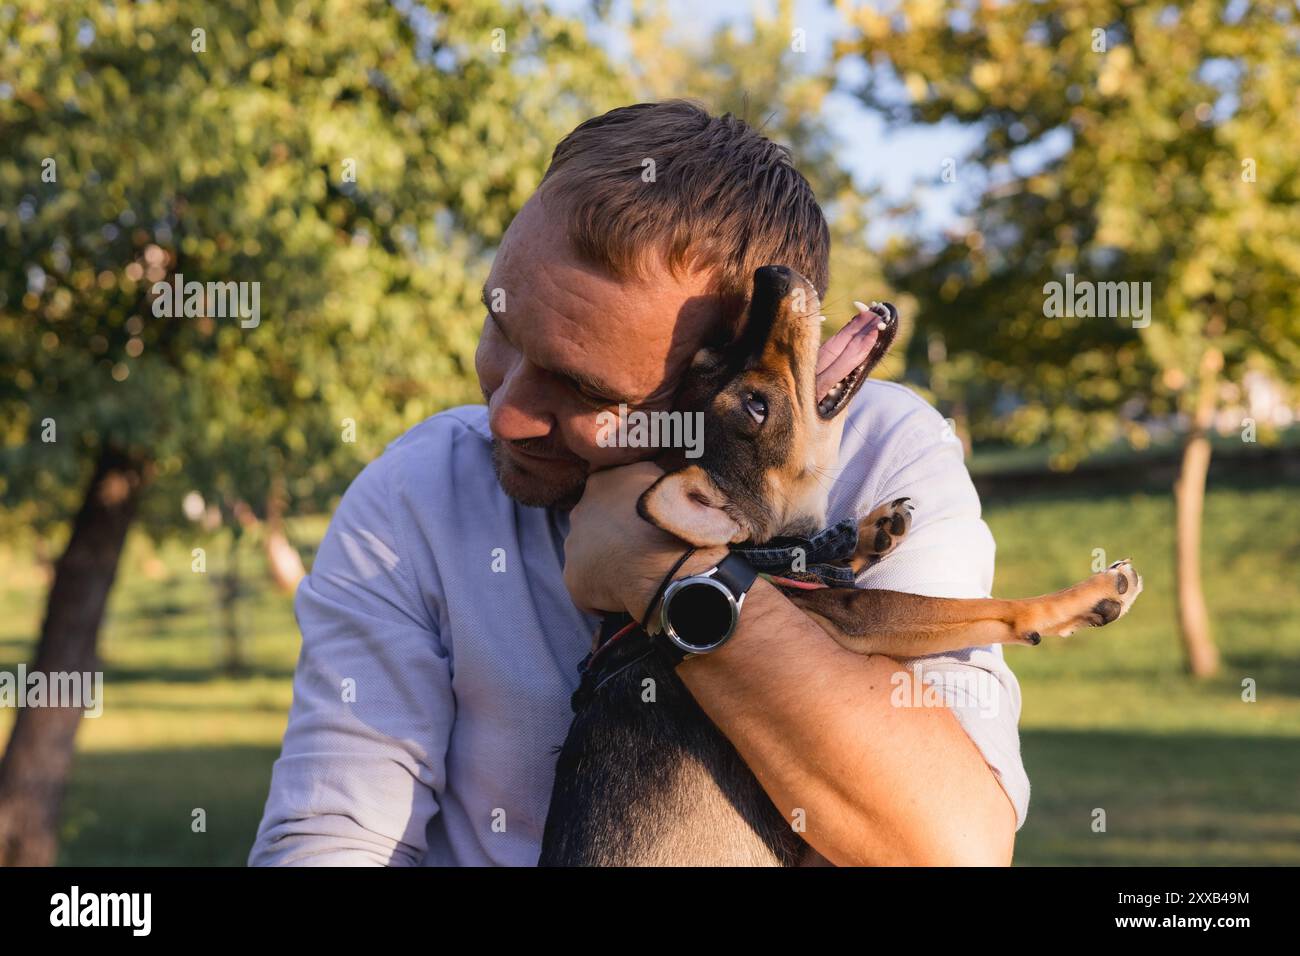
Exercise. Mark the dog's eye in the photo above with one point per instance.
(756, 407)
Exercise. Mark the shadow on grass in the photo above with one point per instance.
(143, 610)
(118, 676)
(1177, 800)
(137, 807)
(208, 708)
(1274, 675)
(1254, 470)
(195, 675)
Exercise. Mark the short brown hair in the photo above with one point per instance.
(724, 198)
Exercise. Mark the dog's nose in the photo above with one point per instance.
(775, 279)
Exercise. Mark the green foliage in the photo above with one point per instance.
(219, 142)
(1136, 142)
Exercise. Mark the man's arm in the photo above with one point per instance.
(877, 784)
(363, 755)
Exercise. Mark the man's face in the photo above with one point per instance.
(563, 342)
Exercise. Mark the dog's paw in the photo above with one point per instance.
(1103, 598)
(881, 531)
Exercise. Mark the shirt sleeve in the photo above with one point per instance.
(363, 759)
(949, 552)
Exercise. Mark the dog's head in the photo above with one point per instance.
(770, 449)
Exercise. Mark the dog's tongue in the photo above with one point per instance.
(846, 350)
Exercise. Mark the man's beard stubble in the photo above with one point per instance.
(531, 490)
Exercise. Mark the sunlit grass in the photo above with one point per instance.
(1187, 772)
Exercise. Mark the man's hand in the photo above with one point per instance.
(613, 558)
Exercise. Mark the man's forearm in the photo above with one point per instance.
(877, 784)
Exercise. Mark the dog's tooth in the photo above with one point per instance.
(862, 306)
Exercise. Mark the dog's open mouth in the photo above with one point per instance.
(842, 392)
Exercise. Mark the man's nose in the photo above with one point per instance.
(520, 408)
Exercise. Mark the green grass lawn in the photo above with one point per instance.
(1186, 772)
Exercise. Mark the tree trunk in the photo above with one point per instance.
(1193, 618)
(286, 565)
(281, 556)
(1189, 501)
(37, 762)
(228, 593)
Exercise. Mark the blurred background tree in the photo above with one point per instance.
(357, 159)
(1119, 142)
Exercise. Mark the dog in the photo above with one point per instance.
(654, 784)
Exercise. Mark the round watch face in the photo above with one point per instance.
(699, 613)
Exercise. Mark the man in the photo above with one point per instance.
(449, 604)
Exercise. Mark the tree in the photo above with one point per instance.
(339, 168)
(1139, 143)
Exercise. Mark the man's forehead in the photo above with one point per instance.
(660, 317)
(535, 251)
(580, 293)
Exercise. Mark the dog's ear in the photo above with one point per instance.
(689, 504)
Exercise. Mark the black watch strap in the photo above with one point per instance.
(737, 575)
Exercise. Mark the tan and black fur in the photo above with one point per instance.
(641, 783)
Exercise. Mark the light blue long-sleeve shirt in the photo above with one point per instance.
(440, 647)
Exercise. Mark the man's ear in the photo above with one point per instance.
(688, 504)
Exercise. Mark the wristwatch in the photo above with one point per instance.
(699, 613)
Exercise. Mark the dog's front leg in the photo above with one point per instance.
(868, 621)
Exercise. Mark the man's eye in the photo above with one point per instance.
(593, 399)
